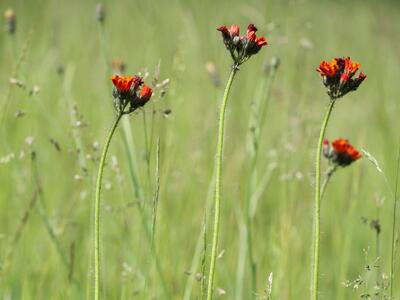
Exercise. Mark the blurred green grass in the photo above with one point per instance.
(182, 36)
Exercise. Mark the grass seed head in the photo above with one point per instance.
(11, 20)
(100, 13)
(118, 65)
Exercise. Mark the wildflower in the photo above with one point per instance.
(10, 17)
(122, 83)
(241, 48)
(338, 76)
(342, 152)
(126, 91)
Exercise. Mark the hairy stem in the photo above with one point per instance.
(317, 209)
(218, 176)
(97, 209)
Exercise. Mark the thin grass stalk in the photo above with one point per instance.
(317, 212)
(329, 173)
(156, 193)
(71, 261)
(242, 257)
(147, 146)
(42, 212)
(200, 248)
(253, 265)
(203, 258)
(348, 238)
(97, 209)
(17, 235)
(18, 64)
(255, 134)
(46, 221)
(256, 126)
(103, 44)
(130, 156)
(218, 178)
(393, 250)
(129, 150)
(378, 252)
(73, 119)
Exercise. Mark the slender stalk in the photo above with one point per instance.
(218, 176)
(156, 193)
(97, 209)
(40, 206)
(344, 260)
(200, 251)
(332, 169)
(377, 251)
(17, 235)
(392, 260)
(253, 266)
(318, 201)
(203, 257)
(147, 145)
(128, 144)
(256, 127)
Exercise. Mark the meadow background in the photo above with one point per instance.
(60, 57)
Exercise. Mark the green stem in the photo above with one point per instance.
(332, 169)
(318, 201)
(253, 266)
(97, 210)
(392, 260)
(218, 176)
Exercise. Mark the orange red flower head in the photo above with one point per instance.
(145, 93)
(327, 69)
(243, 47)
(338, 76)
(341, 152)
(122, 83)
(126, 93)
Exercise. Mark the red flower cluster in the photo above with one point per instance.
(126, 92)
(338, 76)
(342, 152)
(242, 48)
